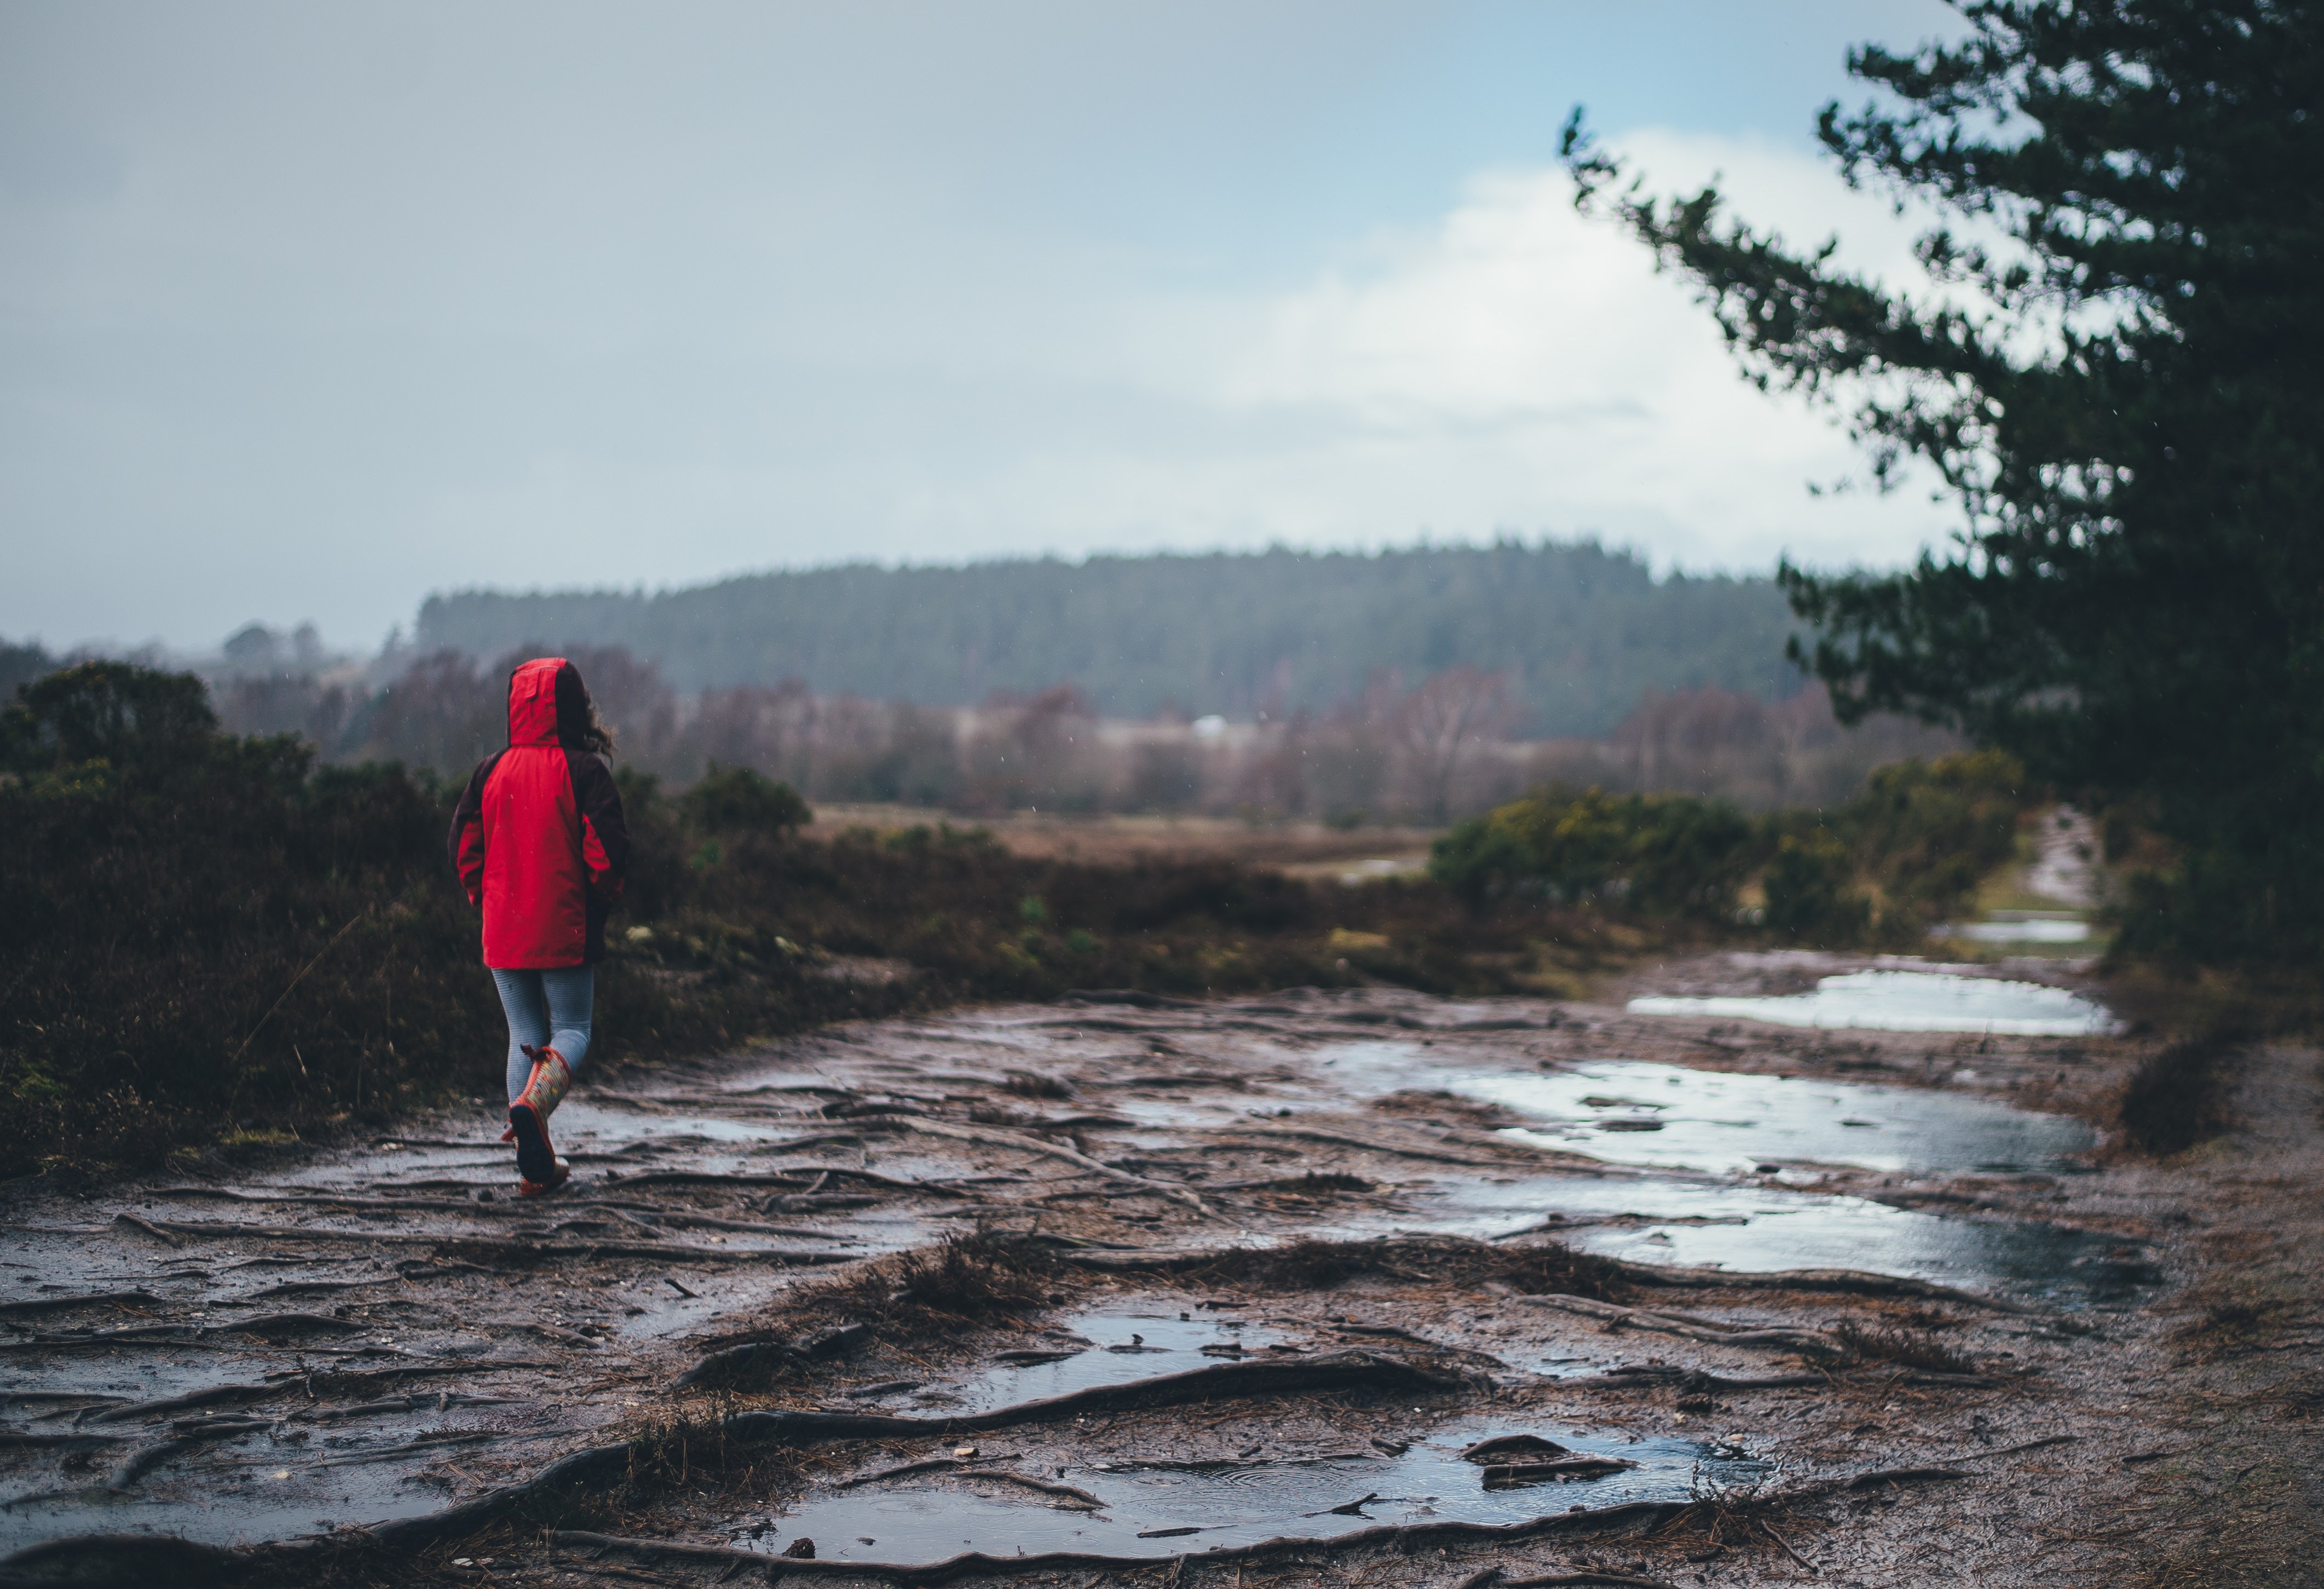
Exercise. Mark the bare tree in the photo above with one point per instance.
(1435, 725)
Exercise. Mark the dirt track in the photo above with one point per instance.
(2039, 1363)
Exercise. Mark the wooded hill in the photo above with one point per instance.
(1585, 633)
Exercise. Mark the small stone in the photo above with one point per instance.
(964, 1451)
(801, 1549)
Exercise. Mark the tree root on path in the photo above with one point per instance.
(1810, 1343)
(190, 1334)
(219, 1230)
(1492, 1579)
(1903, 1476)
(1334, 1370)
(786, 1180)
(111, 1559)
(968, 1469)
(1370, 1144)
(1695, 1381)
(1854, 1282)
(90, 1299)
(994, 1138)
(748, 1358)
(1627, 1519)
(680, 1219)
(214, 1396)
(147, 1457)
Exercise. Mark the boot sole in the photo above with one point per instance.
(527, 1189)
(535, 1160)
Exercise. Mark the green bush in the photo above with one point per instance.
(1810, 896)
(737, 799)
(1920, 839)
(1926, 832)
(1658, 854)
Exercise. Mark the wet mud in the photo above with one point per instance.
(1356, 1285)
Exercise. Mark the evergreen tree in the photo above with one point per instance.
(2127, 396)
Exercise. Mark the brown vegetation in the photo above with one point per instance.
(1422, 752)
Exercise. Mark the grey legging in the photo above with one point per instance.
(546, 1008)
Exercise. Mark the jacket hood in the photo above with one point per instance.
(533, 701)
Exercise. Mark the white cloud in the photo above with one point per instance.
(1514, 366)
(529, 329)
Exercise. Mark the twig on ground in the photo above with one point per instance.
(992, 1137)
(1786, 1546)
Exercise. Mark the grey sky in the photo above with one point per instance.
(308, 310)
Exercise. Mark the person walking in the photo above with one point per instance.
(541, 845)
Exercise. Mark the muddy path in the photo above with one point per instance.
(1313, 1288)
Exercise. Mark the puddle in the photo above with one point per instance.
(1105, 1347)
(1768, 1230)
(255, 1487)
(1641, 1112)
(1697, 1125)
(1164, 1511)
(2018, 926)
(1635, 1112)
(1909, 1001)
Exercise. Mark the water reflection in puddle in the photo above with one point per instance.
(1637, 1112)
(1908, 1001)
(1767, 1230)
(1694, 1124)
(1634, 1111)
(1107, 1347)
(2023, 928)
(928, 1517)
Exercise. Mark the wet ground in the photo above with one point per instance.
(1883, 1300)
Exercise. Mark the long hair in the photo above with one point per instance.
(579, 725)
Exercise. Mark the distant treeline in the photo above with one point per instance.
(1444, 748)
(1583, 633)
(1441, 749)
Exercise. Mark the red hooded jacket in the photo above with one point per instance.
(538, 837)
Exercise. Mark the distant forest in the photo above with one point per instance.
(1584, 633)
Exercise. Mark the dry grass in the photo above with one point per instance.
(2178, 1096)
(1903, 1347)
(1121, 840)
(964, 1282)
(2233, 1325)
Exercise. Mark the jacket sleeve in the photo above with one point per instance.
(467, 842)
(604, 832)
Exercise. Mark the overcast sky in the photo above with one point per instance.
(308, 310)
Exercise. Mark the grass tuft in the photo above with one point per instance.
(964, 1281)
(2178, 1097)
(1904, 1348)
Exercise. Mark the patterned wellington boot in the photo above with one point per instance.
(536, 1158)
(508, 1132)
